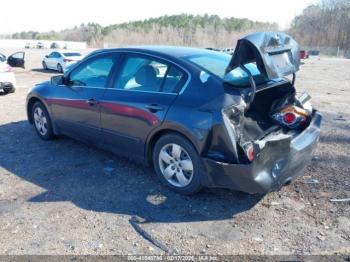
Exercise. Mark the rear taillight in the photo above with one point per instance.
(292, 117)
(250, 154)
(289, 118)
(249, 151)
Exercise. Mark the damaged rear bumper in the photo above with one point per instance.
(279, 160)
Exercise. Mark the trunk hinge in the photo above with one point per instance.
(252, 84)
(293, 80)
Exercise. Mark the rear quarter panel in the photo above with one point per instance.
(188, 114)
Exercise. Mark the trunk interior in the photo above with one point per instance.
(257, 121)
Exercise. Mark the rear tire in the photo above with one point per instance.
(41, 121)
(177, 164)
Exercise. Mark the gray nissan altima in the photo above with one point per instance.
(202, 118)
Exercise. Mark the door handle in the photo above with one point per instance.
(91, 102)
(154, 108)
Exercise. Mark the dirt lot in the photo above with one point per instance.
(57, 197)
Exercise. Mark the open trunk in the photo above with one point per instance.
(257, 119)
(268, 134)
(271, 107)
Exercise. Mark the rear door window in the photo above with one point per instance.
(173, 80)
(146, 74)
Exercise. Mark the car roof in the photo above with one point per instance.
(169, 51)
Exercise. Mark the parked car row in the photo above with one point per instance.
(7, 76)
(40, 45)
(303, 54)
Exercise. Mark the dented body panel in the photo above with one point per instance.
(279, 160)
(276, 54)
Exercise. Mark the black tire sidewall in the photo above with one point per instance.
(44, 66)
(59, 68)
(196, 183)
(49, 134)
(8, 90)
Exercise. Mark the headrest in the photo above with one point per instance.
(146, 76)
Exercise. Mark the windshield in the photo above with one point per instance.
(217, 63)
(71, 54)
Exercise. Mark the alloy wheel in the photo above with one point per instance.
(176, 165)
(40, 121)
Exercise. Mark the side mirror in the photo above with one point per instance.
(46, 56)
(58, 80)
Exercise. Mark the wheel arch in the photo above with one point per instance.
(156, 135)
(31, 101)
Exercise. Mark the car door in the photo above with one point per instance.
(76, 105)
(58, 59)
(54, 60)
(49, 60)
(143, 90)
(16, 59)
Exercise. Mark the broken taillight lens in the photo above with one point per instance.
(289, 118)
(249, 151)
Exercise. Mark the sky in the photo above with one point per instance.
(43, 15)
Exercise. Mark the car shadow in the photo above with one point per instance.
(46, 71)
(99, 181)
(2, 93)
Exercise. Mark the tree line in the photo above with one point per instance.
(189, 30)
(325, 24)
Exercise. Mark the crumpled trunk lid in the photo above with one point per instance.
(276, 54)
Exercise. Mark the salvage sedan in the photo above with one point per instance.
(200, 117)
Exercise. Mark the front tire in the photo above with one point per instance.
(42, 121)
(44, 65)
(178, 164)
(59, 68)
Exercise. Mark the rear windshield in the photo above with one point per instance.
(217, 63)
(71, 54)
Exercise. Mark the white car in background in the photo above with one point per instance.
(60, 61)
(7, 76)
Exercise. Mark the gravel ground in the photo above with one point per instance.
(63, 197)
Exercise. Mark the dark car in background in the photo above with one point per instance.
(313, 52)
(40, 45)
(304, 54)
(200, 117)
(54, 45)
